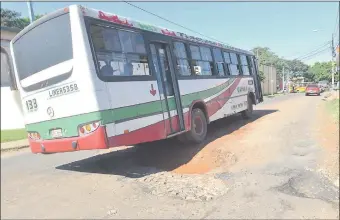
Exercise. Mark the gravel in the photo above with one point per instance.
(186, 187)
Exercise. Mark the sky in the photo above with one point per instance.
(290, 29)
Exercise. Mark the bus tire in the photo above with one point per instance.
(199, 127)
(246, 114)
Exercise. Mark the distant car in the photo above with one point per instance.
(324, 85)
(312, 89)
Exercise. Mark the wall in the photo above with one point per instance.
(11, 116)
(269, 84)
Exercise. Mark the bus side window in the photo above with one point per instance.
(227, 62)
(219, 61)
(244, 65)
(182, 62)
(156, 66)
(119, 52)
(251, 66)
(234, 65)
(201, 56)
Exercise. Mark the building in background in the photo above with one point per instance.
(11, 116)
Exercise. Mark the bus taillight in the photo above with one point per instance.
(34, 135)
(88, 128)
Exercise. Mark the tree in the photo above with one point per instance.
(265, 56)
(268, 58)
(323, 71)
(296, 67)
(261, 75)
(10, 18)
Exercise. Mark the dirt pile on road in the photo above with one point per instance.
(331, 95)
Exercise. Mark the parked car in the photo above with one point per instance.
(312, 89)
(324, 85)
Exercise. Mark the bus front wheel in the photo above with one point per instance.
(199, 127)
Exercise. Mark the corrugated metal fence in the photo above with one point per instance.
(269, 84)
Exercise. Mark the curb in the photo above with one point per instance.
(14, 145)
(14, 148)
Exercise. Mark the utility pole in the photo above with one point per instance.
(333, 60)
(283, 79)
(30, 11)
(271, 79)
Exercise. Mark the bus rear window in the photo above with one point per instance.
(46, 45)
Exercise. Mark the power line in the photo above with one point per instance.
(313, 55)
(165, 19)
(313, 51)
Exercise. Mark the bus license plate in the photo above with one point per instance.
(56, 133)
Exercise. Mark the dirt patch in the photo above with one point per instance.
(328, 136)
(186, 187)
(236, 143)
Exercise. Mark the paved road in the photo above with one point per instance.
(262, 168)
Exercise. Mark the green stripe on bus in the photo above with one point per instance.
(70, 124)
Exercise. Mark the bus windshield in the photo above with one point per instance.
(45, 45)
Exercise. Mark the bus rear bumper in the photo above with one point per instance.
(95, 140)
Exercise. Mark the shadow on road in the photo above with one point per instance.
(165, 155)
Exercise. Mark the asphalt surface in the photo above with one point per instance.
(282, 183)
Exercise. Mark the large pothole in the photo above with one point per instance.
(187, 187)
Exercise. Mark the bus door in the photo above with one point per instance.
(168, 88)
(257, 81)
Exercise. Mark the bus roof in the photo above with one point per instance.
(147, 27)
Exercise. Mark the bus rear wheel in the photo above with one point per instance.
(199, 127)
(246, 114)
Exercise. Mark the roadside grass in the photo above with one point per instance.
(13, 135)
(332, 107)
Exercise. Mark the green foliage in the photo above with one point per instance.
(12, 19)
(333, 109)
(322, 71)
(13, 135)
(267, 57)
(317, 72)
(261, 75)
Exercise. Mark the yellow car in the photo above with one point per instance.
(300, 89)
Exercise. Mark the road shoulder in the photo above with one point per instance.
(327, 135)
(14, 145)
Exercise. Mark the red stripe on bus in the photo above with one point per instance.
(99, 140)
(95, 140)
(218, 102)
(161, 129)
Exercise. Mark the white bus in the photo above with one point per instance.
(88, 79)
